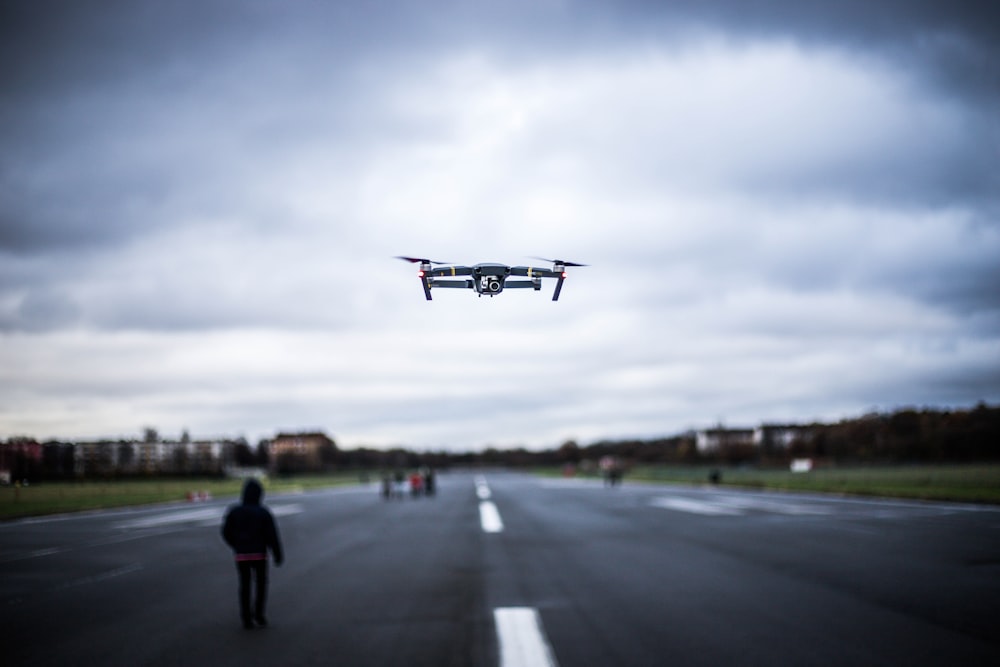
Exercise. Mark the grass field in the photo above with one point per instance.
(979, 483)
(965, 483)
(59, 497)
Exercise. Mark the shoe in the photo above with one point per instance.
(261, 621)
(247, 624)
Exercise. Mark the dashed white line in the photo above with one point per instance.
(519, 630)
(489, 517)
(522, 639)
(482, 488)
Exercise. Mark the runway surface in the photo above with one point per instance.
(512, 570)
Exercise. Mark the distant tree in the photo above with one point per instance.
(24, 468)
(57, 460)
(243, 455)
(289, 463)
(263, 453)
(491, 456)
(519, 457)
(569, 452)
(328, 454)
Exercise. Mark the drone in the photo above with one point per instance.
(488, 279)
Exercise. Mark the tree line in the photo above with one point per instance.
(904, 436)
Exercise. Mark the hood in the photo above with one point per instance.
(252, 492)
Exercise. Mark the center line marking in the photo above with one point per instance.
(489, 517)
(482, 488)
(522, 639)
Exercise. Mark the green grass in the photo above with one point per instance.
(965, 483)
(60, 497)
(978, 483)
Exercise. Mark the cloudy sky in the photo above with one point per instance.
(790, 211)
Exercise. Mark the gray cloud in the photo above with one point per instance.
(790, 209)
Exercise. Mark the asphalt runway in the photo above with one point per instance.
(512, 570)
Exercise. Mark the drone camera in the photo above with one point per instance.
(490, 284)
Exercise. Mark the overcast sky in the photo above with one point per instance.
(790, 211)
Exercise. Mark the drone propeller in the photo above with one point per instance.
(419, 260)
(559, 262)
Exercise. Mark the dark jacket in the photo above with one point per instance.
(249, 528)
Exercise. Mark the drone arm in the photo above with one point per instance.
(454, 284)
(533, 272)
(448, 271)
(523, 284)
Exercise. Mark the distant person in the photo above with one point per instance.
(250, 530)
(400, 485)
(612, 469)
(416, 484)
(429, 482)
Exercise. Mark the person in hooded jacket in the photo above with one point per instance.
(250, 530)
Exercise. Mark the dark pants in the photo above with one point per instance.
(257, 568)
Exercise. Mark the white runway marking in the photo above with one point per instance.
(738, 506)
(570, 483)
(522, 639)
(103, 576)
(287, 510)
(783, 506)
(489, 517)
(43, 552)
(694, 507)
(200, 514)
(203, 515)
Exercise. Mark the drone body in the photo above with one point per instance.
(487, 278)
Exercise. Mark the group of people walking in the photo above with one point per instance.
(419, 483)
